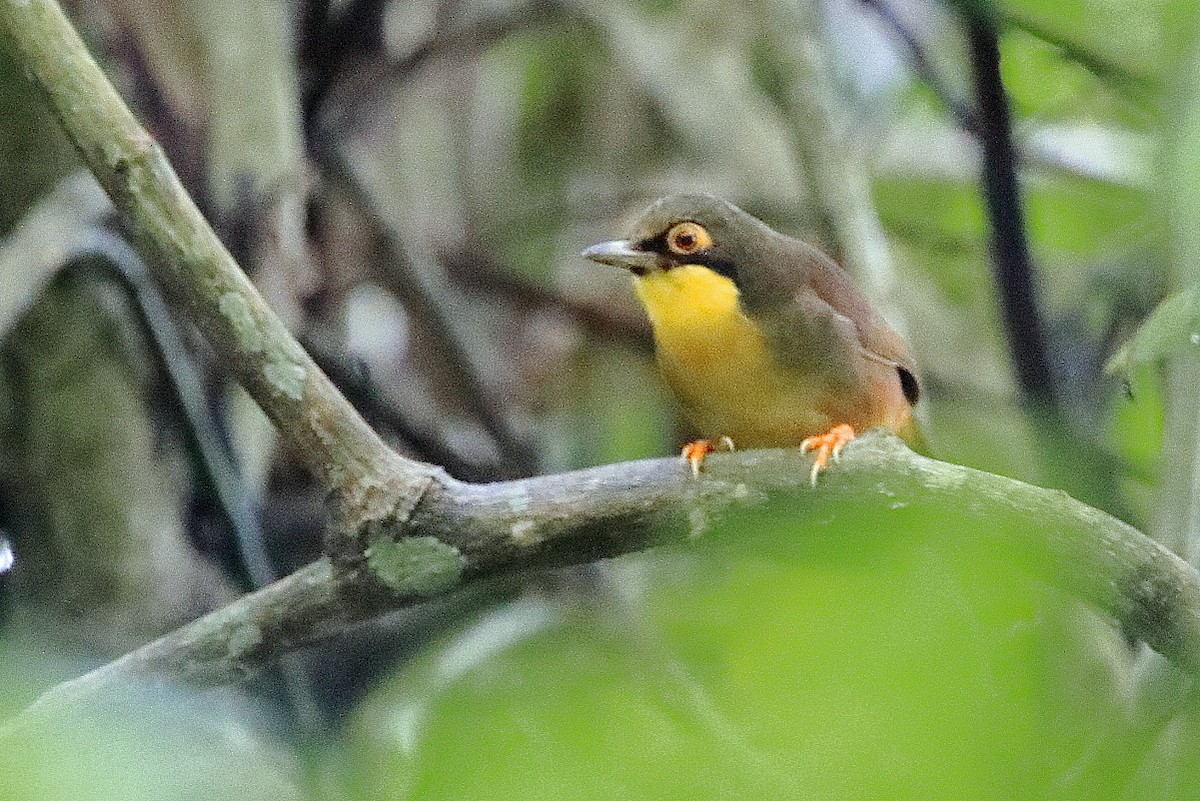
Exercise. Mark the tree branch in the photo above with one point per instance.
(367, 479)
(466, 532)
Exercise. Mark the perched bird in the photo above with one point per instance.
(765, 339)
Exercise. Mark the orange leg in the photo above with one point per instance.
(696, 451)
(826, 446)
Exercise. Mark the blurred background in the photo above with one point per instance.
(1015, 184)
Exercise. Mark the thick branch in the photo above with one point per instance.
(463, 532)
(187, 258)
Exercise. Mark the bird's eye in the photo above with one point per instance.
(686, 238)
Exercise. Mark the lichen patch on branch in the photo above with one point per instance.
(525, 533)
(417, 566)
(287, 378)
(236, 309)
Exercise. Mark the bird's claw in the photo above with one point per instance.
(825, 447)
(696, 451)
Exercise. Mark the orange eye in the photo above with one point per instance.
(687, 238)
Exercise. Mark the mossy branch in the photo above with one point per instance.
(463, 532)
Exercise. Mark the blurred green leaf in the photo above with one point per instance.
(1136, 45)
(1173, 328)
(133, 743)
(782, 658)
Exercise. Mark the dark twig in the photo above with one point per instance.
(1012, 264)
(312, 22)
(331, 45)
(422, 441)
(183, 140)
(924, 69)
(361, 88)
(422, 283)
(214, 458)
(599, 318)
(219, 467)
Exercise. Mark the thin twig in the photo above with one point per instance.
(924, 69)
(602, 319)
(189, 393)
(423, 441)
(421, 281)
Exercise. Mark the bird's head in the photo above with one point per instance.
(688, 230)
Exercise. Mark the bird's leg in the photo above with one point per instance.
(826, 446)
(695, 452)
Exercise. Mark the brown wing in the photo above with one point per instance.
(817, 326)
(876, 338)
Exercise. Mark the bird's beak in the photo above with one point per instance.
(621, 253)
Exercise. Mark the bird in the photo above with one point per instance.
(765, 339)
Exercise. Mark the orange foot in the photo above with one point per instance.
(695, 452)
(826, 445)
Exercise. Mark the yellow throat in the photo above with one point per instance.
(717, 361)
(687, 297)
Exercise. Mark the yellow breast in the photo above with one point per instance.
(719, 365)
